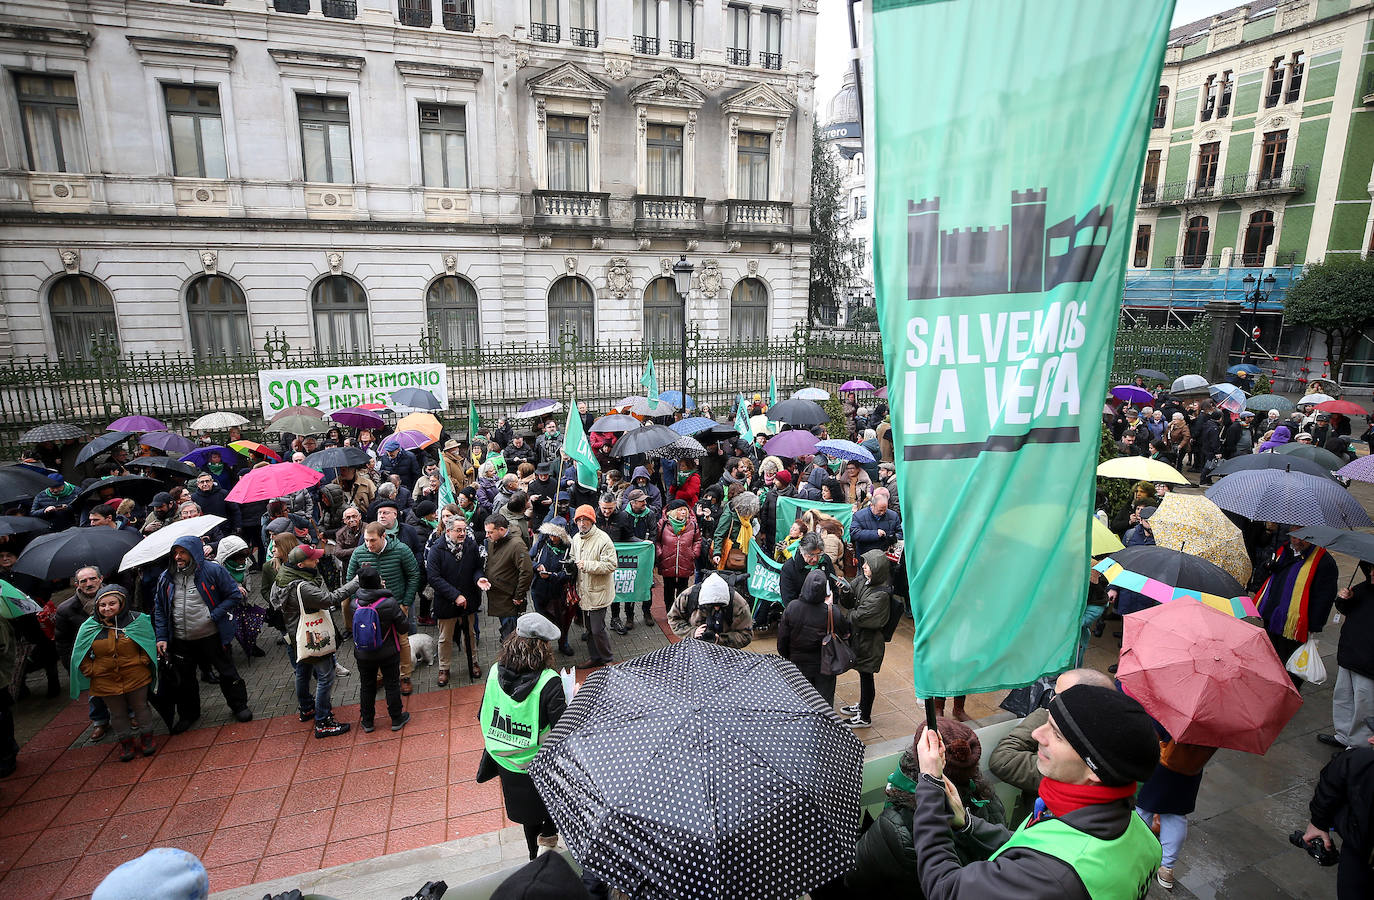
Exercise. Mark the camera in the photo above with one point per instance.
(714, 623)
(1325, 856)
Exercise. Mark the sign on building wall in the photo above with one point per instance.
(337, 388)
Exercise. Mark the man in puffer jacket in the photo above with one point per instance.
(298, 586)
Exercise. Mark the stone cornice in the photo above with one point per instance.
(43, 34)
(314, 60)
(415, 69)
(175, 50)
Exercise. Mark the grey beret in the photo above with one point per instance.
(533, 625)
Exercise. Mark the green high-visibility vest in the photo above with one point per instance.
(1119, 869)
(510, 728)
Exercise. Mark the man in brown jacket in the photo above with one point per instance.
(506, 572)
(594, 553)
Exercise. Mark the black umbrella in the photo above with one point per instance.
(1179, 569)
(1259, 461)
(12, 525)
(615, 422)
(685, 447)
(1358, 544)
(643, 439)
(1151, 373)
(1289, 498)
(801, 413)
(53, 431)
(138, 487)
(334, 457)
(21, 483)
(53, 556)
(763, 796)
(100, 444)
(163, 464)
(1319, 455)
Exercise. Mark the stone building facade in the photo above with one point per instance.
(193, 175)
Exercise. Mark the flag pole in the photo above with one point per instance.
(930, 715)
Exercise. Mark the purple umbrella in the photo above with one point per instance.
(168, 442)
(1361, 469)
(355, 417)
(200, 457)
(1132, 394)
(137, 423)
(539, 407)
(791, 444)
(881, 392)
(408, 440)
(857, 384)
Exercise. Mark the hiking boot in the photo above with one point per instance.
(98, 732)
(127, 750)
(858, 721)
(308, 715)
(629, 624)
(146, 745)
(1165, 877)
(330, 727)
(398, 724)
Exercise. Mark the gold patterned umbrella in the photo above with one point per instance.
(1196, 525)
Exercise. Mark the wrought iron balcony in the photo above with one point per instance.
(1368, 97)
(687, 49)
(300, 7)
(757, 215)
(655, 208)
(540, 31)
(1159, 121)
(570, 204)
(770, 60)
(737, 56)
(1251, 184)
(583, 37)
(339, 9)
(640, 43)
(454, 21)
(417, 13)
(1240, 260)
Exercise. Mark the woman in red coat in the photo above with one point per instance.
(677, 543)
(687, 485)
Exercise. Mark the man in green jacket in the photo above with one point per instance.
(400, 573)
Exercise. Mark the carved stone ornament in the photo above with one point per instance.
(594, 120)
(712, 78)
(779, 247)
(570, 264)
(642, 121)
(522, 58)
(645, 243)
(617, 67)
(665, 265)
(1209, 134)
(752, 266)
(598, 243)
(209, 259)
(618, 276)
(734, 128)
(692, 245)
(539, 110)
(731, 246)
(709, 278)
(71, 260)
(672, 80)
(692, 124)
(335, 260)
(545, 241)
(450, 263)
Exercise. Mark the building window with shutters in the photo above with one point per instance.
(451, 309)
(1142, 247)
(1195, 243)
(1209, 99)
(663, 153)
(1150, 184)
(567, 146)
(51, 122)
(572, 301)
(662, 313)
(1278, 73)
(193, 121)
(1259, 234)
(544, 20)
(1295, 73)
(749, 310)
(217, 311)
(325, 144)
(1272, 152)
(582, 29)
(80, 308)
(1208, 156)
(443, 145)
(338, 305)
(752, 166)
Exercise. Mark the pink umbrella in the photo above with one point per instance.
(270, 482)
(856, 385)
(881, 392)
(1207, 677)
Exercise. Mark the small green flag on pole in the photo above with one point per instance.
(446, 494)
(578, 449)
(473, 421)
(772, 390)
(742, 420)
(650, 382)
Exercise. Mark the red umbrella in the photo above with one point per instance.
(270, 482)
(1207, 677)
(1344, 407)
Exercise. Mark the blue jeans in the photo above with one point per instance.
(322, 667)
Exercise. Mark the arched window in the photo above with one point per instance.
(1195, 243)
(749, 310)
(338, 304)
(1259, 234)
(571, 300)
(451, 308)
(662, 313)
(81, 308)
(218, 313)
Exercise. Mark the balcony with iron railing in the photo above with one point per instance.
(685, 49)
(1159, 121)
(456, 21)
(737, 56)
(655, 209)
(770, 60)
(641, 43)
(339, 9)
(1213, 260)
(1250, 184)
(299, 7)
(757, 215)
(1368, 98)
(542, 31)
(583, 37)
(416, 13)
(575, 206)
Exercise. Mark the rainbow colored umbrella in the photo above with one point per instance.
(246, 449)
(1166, 575)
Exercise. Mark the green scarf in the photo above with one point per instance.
(214, 468)
(676, 525)
(140, 630)
(683, 476)
(630, 510)
(467, 513)
(238, 571)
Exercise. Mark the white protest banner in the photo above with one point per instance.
(344, 386)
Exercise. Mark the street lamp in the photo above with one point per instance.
(1256, 292)
(682, 280)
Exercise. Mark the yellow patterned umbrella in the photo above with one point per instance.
(1196, 525)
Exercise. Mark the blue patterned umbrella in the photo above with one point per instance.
(1289, 498)
(838, 449)
(675, 398)
(1361, 469)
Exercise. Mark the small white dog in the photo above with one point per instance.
(423, 649)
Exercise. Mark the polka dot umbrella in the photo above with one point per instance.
(703, 771)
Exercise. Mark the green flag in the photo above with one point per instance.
(791, 507)
(742, 420)
(772, 391)
(634, 574)
(446, 494)
(474, 423)
(578, 449)
(765, 578)
(1004, 201)
(650, 382)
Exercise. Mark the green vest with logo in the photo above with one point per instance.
(1119, 869)
(510, 728)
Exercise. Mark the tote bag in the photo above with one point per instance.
(314, 632)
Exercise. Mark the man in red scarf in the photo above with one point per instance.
(1082, 840)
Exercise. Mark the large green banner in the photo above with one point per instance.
(634, 574)
(1010, 136)
(791, 507)
(765, 577)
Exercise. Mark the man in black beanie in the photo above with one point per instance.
(1081, 841)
